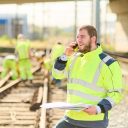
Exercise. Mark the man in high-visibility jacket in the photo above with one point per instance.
(9, 64)
(93, 78)
(23, 51)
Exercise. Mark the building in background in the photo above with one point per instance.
(12, 25)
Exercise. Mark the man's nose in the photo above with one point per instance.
(79, 39)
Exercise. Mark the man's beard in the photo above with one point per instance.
(86, 48)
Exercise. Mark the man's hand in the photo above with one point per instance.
(91, 110)
(70, 50)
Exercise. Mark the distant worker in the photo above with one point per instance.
(9, 65)
(23, 51)
(56, 51)
(94, 78)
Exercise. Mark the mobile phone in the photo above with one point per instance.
(74, 47)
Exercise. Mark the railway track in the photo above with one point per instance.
(15, 104)
(20, 101)
(16, 100)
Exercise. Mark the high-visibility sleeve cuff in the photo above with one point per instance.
(98, 109)
(63, 57)
(111, 101)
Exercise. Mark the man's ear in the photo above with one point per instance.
(93, 39)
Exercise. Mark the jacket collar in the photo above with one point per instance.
(92, 54)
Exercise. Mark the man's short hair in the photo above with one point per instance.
(20, 36)
(90, 29)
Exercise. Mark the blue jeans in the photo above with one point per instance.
(64, 124)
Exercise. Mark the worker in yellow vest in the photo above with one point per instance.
(23, 51)
(9, 65)
(56, 51)
(93, 78)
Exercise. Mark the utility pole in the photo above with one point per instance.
(96, 17)
(75, 26)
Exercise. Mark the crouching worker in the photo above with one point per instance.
(9, 64)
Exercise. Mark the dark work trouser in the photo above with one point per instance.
(64, 124)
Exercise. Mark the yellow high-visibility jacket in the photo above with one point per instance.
(93, 78)
(23, 49)
(57, 50)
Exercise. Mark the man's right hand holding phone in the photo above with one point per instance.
(70, 49)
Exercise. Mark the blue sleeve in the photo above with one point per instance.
(60, 64)
(105, 105)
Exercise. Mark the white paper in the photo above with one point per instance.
(64, 105)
